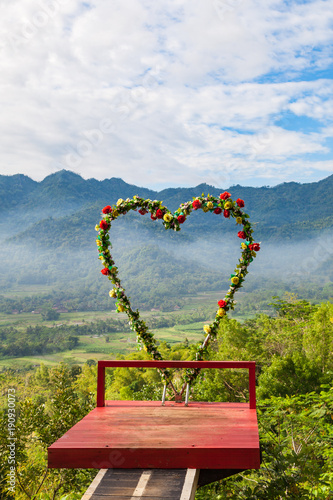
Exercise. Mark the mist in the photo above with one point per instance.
(26, 263)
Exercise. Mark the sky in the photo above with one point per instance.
(168, 93)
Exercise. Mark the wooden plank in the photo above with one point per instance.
(142, 484)
(154, 484)
(190, 484)
(144, 434)
(91, 490)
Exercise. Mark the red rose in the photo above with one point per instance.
(217, 210)
(196, 204)
(221, 303)
(159, 213)
(107, 209)
(103, 224)
(240, 202)
(226, 213)
(181, 219)
(153, 217)
(255, 247)
(241, 234)
(225, 195)
(105, 271)
(142, 211)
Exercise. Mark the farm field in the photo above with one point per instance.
(100, 345)
(96, 347)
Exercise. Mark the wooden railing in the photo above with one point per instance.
(250, 365)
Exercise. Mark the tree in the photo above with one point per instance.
(49, 314)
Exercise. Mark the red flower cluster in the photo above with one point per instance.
(226, 213)
(225, 195)
(217, 210)
(196, 204)
(103, 224)
(181, 219)
(255, 247)
(153, 217)
(240, 202)
(105, 271)
(221, 303)
(107, 209)
(159, 213)
(241, 234)
(142, 211)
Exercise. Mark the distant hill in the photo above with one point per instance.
(65, 203)
(47, 237)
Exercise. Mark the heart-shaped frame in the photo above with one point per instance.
(222, 205)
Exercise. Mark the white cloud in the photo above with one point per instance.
(165, 93)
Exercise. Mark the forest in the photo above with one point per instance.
(292, 347)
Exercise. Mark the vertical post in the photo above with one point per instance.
(164, 394)
(100, 385)
(252, 386)
(187, 394)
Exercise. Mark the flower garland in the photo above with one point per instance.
(222, 205)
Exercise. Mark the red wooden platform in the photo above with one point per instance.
(145, 434)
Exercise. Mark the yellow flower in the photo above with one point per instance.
(119, 202)
(97, 228)
(121, 308)
(167, 217)
(205, 209)
(115, 213)
(228, 205)
(210, 205)
(112, 293)
(234, 280)
(239, 220)
(98, 243)
(221, 312)
(244, 246)
(207, 329)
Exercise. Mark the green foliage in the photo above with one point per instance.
(49, 314)
(295, 405)
(45, 340)
(56, 400)
(291, 374)
(296, 436)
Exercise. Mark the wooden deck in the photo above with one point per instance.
(146, 435)
(148, 484)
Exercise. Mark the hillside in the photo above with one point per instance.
(48, 237)
(64, 208)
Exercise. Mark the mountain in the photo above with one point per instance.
(47, 236)
(64, 203)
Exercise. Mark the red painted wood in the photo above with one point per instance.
(144, 434)
(100, 384)
(250, 365)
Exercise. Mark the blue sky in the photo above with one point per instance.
(168, 93)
